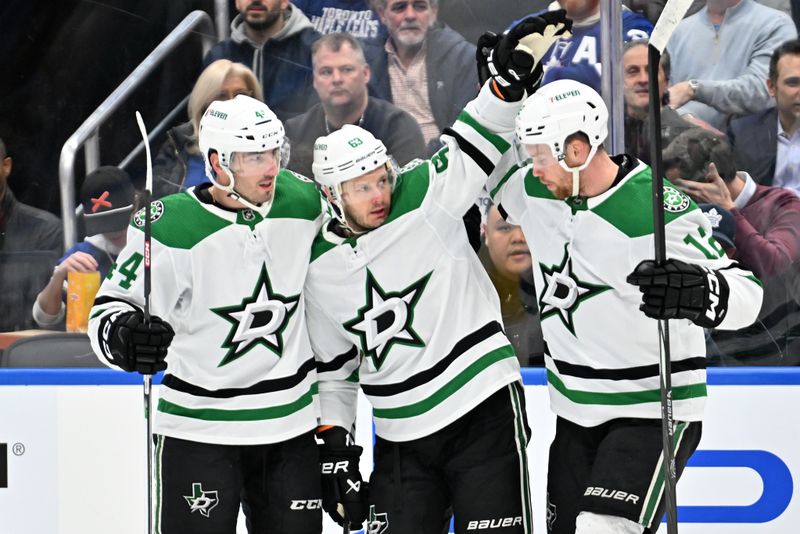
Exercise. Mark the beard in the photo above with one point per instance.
(269, 19)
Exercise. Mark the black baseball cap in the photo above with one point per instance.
(107, 197)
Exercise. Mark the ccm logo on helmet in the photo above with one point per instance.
(500, 522)
(331, 468)
(617, 495)
(306, 504)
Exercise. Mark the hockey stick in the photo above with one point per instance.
(147, 379)
(672, 14)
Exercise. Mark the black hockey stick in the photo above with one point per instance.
(672, 14)
(147, 379)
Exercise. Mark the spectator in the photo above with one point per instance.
(424, 67)
(736, 38)
(508, 262)
(340, 79)
(578, 57)
(179, 164)
(767, 144)
(350, 16)
(30, 241)
(636, 89)
(107, 201)
(274, 39)
(767, 241)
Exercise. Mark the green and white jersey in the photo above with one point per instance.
(602, 352)
(240, 368)
(407, 309)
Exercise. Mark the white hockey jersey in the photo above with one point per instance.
(240, 368)
(407, 309)
(601, 351)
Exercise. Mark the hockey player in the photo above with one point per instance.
(237, 409)
(588, 220)
(397, 301)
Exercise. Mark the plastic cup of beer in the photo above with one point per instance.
(81, 289)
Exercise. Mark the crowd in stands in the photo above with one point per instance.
(729, 86)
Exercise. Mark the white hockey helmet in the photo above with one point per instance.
(556, 111)
(346, 154)
(242, 124)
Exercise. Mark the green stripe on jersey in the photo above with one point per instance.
(296, 197)
(249, 414)
(753, 278)
(184, 222)
(626, 397)
(535, 188)
(628, 209)
(499, 143)
(503, 180)
(439, 396)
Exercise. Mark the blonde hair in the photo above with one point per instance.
(209, 84)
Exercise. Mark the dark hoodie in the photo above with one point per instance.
(282, 64)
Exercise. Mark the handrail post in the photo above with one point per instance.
(87, 133)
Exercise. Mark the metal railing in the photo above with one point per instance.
(87, 135)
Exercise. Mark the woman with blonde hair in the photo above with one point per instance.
(179, 164)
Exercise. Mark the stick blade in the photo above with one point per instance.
(672, 14)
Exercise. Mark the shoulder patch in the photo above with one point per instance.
(675, 201)
(296, 197)
(156, 211)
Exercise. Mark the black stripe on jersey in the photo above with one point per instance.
(464, 344)
(265, 386)
(628, 373)
(470, 150)
(338, 362)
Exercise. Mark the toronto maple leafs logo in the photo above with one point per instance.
(259, 319)
(201, 501)
(563, 291)
(387, 319)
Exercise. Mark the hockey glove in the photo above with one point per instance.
(344, 494)
(678, 290)
(515, 60)
(139, 346)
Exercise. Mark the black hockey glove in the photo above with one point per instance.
(678, 290)
(139, 346)
(514, 61)
(344, 494)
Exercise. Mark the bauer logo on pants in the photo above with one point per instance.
(201, 501)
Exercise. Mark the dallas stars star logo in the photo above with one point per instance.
(260, 319)
(201, 501)
(387, 319)
(563, 291)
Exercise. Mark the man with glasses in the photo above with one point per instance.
(236, 414)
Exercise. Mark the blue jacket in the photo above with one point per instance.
(578, 57)
(282, 64)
